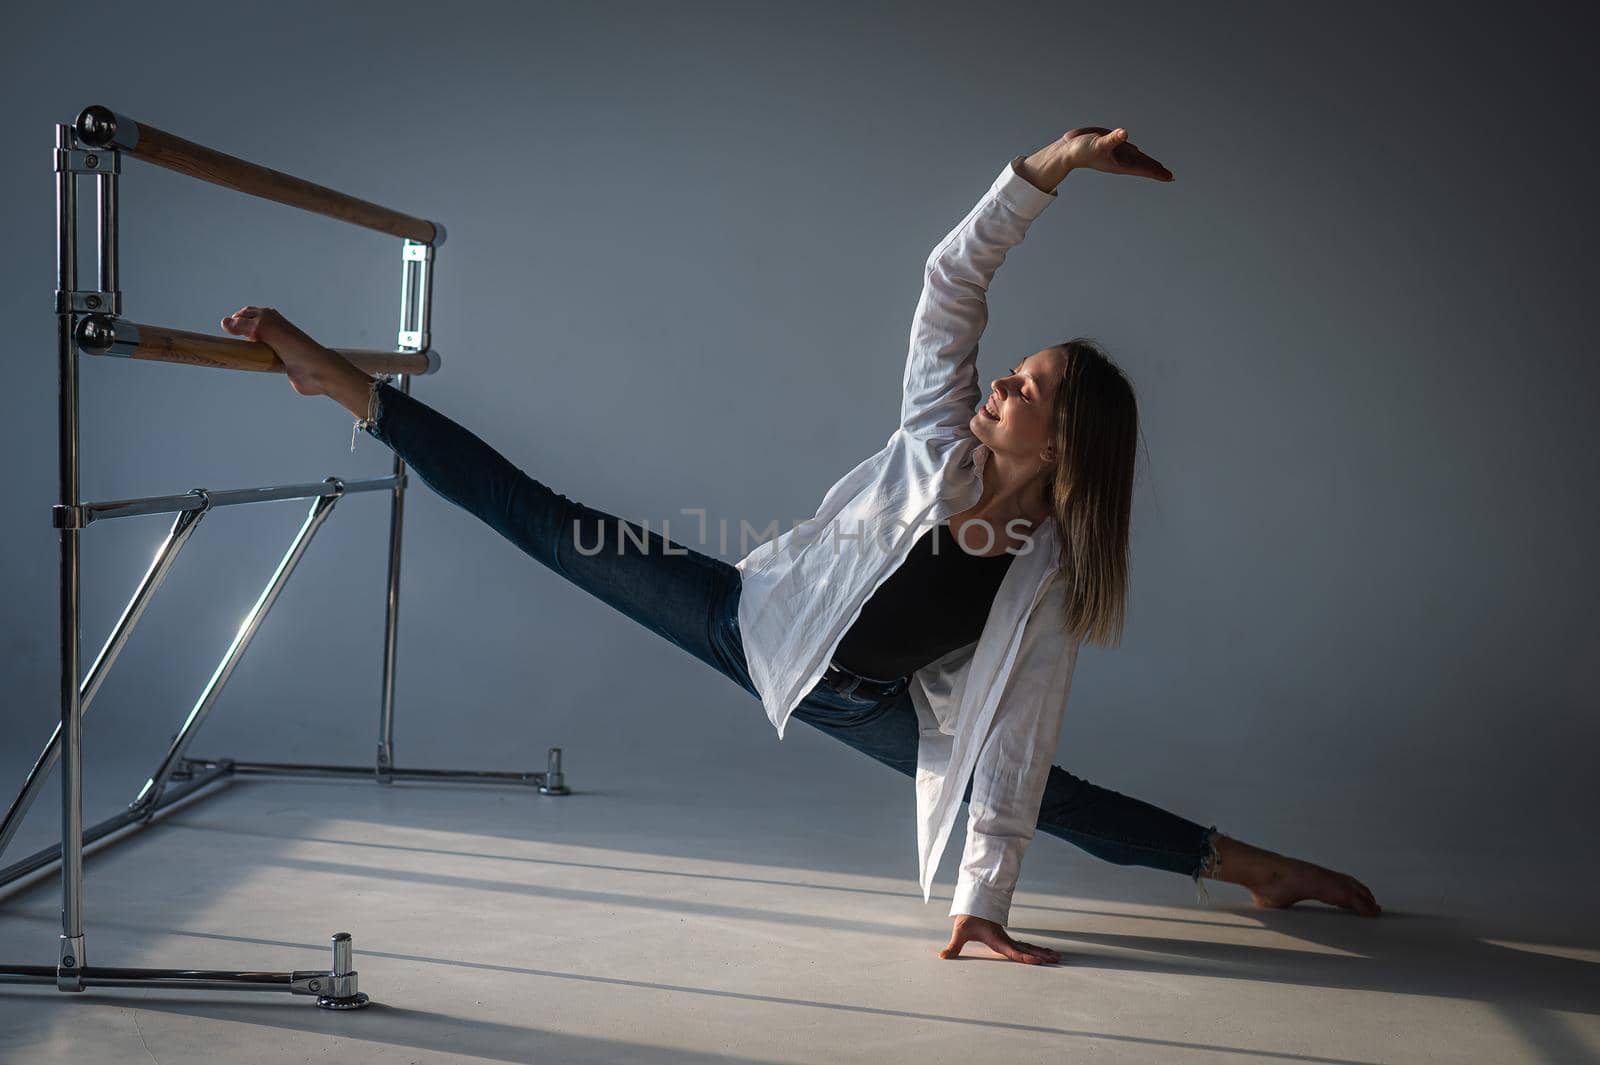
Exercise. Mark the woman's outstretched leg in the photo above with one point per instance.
(1107, 824)
(1119, 828)
(1111, 826)
(676, 592)
(672, 590)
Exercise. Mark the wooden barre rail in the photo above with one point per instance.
(100, 127)
(101, 335)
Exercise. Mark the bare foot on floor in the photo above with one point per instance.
(1276, 881)
(1295, 880)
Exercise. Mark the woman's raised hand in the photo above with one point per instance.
(1109, 150)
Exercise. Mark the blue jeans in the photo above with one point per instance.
(692, 600)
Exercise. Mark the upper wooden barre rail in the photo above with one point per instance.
(100, 127)
(101, 335)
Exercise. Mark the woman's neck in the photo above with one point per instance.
(1011, 490)
(1009, 493)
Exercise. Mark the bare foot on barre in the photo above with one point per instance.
(309, 364)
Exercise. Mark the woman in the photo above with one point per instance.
(930, 614)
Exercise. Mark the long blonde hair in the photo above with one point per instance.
(1095, 427)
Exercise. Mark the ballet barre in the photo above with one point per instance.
(89, 321)
(101, 128)
(99, 334)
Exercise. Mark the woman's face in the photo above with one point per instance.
(1015, 416)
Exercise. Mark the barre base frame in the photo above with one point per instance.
(91, 148)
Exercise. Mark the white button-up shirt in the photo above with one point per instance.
(990, 711)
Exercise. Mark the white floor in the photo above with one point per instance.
(687, 915)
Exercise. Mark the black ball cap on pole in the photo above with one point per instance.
(96, 126)
(96, 334)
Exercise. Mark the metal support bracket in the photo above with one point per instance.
(88, 161)
(416, 297)
(63, 516)
(321, 507)
(336, 988)
(554, 782)
(70, 964)
(89, 301)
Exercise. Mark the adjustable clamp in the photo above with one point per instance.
(88, 161)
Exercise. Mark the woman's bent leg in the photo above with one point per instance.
(1127, 831)
(678, 593)
(1109, 825)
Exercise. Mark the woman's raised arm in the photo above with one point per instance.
(940, 390)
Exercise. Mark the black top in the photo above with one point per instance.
(936, 600)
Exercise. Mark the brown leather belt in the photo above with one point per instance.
(845, 682)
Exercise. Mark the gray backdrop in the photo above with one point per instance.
(685, 247)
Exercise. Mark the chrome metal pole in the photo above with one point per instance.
(424, 306)
(70, 957)
(335, 988)
(178, 979)
(415, 305)
(391, 616)
(203, 499)
(360, 772)
(408, 297)
(105, 187)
